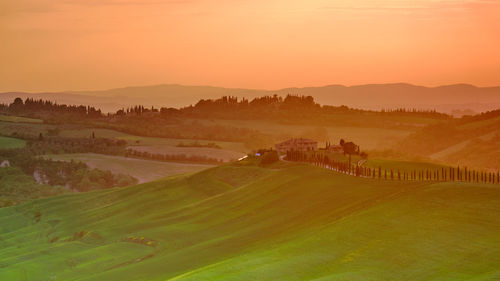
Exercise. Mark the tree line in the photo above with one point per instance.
(462, 174)
(39, 108)
(201, 159)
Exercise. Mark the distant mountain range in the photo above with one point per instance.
(457, 98)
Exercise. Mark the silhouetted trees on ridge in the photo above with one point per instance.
(43, 108)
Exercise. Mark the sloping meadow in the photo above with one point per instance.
(245, 222)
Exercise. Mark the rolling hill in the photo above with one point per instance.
(245, 222)
(372, 96)
(470, 141)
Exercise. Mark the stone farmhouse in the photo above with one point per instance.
(299, 144)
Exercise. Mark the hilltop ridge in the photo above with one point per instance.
(369, 96)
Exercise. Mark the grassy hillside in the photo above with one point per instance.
(244, 222)
(403, 166)
(24, 129)
(18, 119)
(472, 141)
(367, 138)
(7, 143)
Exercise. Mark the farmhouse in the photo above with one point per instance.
(297, 145)
(334, 148)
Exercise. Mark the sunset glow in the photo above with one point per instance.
(51, 45)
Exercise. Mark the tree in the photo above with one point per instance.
(349, 148)
(270, 157)
(342, 142)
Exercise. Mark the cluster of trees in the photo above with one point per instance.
(417, 112)
(17, 187)
(48, 109)
(270, 157)
(202, 159)
(78, 176)
(136, 110)
(275, 106)
(74, 175)
(258, 102)
(261, 107)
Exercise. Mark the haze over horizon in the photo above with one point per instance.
(98, 90)
(93, 45)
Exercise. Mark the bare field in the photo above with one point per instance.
(143, 170)
(224, 155)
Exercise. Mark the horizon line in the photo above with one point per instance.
(242, 88)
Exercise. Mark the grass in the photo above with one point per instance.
(143, 170)
(8, 143)
(481, 123)
(19, 119)
(222, 154)
(228, 152)
(147, 141)
(244, 222)
(27, 129)
(403, 166)
(367, 138)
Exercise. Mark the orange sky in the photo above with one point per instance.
(51, 45)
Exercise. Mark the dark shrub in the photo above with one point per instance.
(270, 157)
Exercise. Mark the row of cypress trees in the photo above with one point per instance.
(441, 174)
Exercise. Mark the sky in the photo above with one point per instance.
(58, 45)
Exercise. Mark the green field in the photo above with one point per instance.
(244, 222)
(18, 119)
(8, 143)
(143, 170)
(403, 166)
(28, 129)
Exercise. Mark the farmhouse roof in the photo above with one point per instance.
(298, 140)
